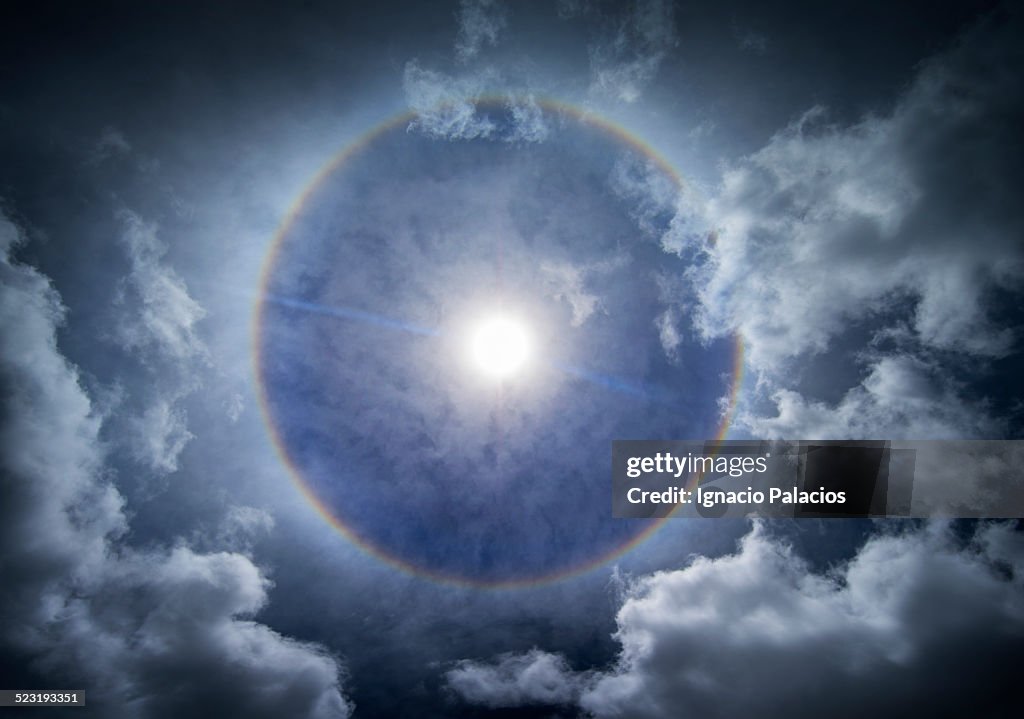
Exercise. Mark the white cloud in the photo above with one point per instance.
(830, 224)
(241, 526)
(758, 633)
(159, 435)
(480, 23)
(156, 321)
(514, 680)
(158, 314)
(901, 397)
(873, 225)
(567, 283)
(528, 122)
(665, 210)
(154, 633)
(445, 106)
(668, 332)
(448, 107)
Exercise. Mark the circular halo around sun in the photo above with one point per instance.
(500, 347)
(416, 268)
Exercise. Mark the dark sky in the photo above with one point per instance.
(244, 249)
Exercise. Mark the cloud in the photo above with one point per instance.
(480, 23)
(445, 106)
(159, 314)
(902, 226)
(514, 680)
(56, 512)
(624, 64)
(668, 332)
(909, 214)
(156, 321)
(242, 525)
(448, 107)
(159, 436)
(666, 209)
(901, 396)
(567, 283)
(528, 122)
(759, 633)
(168, 635)
(151, 633)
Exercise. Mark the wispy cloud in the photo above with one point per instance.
(159, 313)
(624, 63)
(480, 23)
(156, 322)
(446, 106)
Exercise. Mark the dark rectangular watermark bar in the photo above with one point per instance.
(811, 478)
(42, 698)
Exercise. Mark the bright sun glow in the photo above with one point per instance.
(500, 347)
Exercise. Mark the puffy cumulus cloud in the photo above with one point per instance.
(915, 623)
(914, 213)
(155, 633)
(901, 396)
(516, 679)
(480, 23)
(167, 636)
(57, 513)
(623, 64)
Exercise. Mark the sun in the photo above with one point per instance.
(500, 347)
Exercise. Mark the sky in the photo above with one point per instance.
(250, 466)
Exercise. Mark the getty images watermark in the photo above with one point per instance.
(804, 478)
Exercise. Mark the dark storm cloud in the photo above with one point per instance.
(898, 629)
(152, 633)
